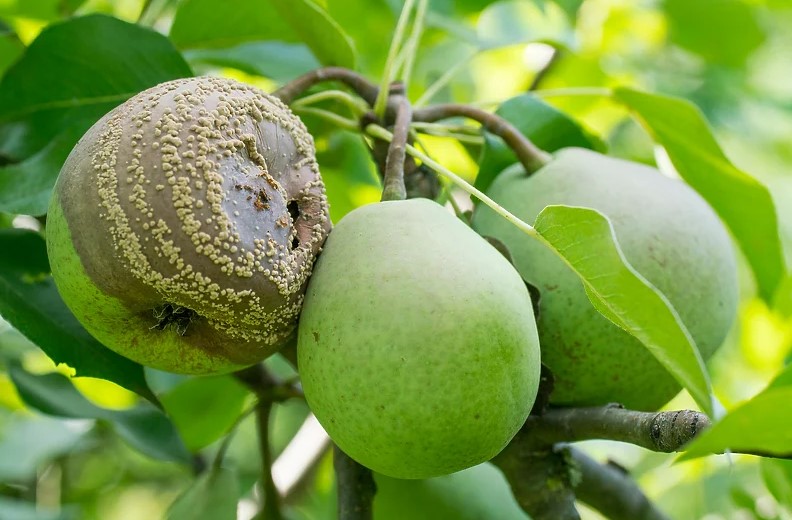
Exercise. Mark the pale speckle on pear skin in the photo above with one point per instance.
(180, 154)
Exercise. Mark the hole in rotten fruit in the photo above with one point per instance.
(294, 211)
(172, 315)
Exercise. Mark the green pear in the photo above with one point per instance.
(184, 225)
(666, 231)
(417, 346)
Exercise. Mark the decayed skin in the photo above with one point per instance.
(202, 194)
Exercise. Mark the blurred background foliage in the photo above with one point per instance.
(730, 57)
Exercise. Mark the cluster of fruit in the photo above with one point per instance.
(184, 233)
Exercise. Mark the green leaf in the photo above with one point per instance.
(276, 60)
(35, 9)
(570, 7)
(546, 126)
(318, 31)
(20, 510)
(744, 204)
(10, 47)
(29, 442)
(213, 496)
(144, 427)
(511, 22)
(725, 32)
(777, 476)
(25, 187)
(204, 408)
(380, 19)
(196, 25)
(622, 295)
(31, 303)
(760, 425)
(782, 379)
(782, 302)
(76, 71)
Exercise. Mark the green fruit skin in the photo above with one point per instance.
(667, 232)
(417, 346)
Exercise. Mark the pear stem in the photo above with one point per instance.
(381, 133)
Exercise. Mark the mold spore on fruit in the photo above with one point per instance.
(201, 193)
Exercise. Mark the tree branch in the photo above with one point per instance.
(659, 431)
(266, 386)
(268, 389)
(356, 487)
(544, 472)
(363, 87)
(611, 491)
(531, 157)
(540, 478)
(271, 509)
(394, 188)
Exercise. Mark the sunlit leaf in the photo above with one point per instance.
(744, 204)
(622, 295)
(196, 25)
(49, 10)
(758, 426)
(276, 60)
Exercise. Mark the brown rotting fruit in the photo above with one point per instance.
(185, 223)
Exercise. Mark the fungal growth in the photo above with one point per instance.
(185, 223)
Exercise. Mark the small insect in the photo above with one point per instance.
(169, 314)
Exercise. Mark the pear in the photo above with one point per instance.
(185, 223)
(417, 347)
(667, 232)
